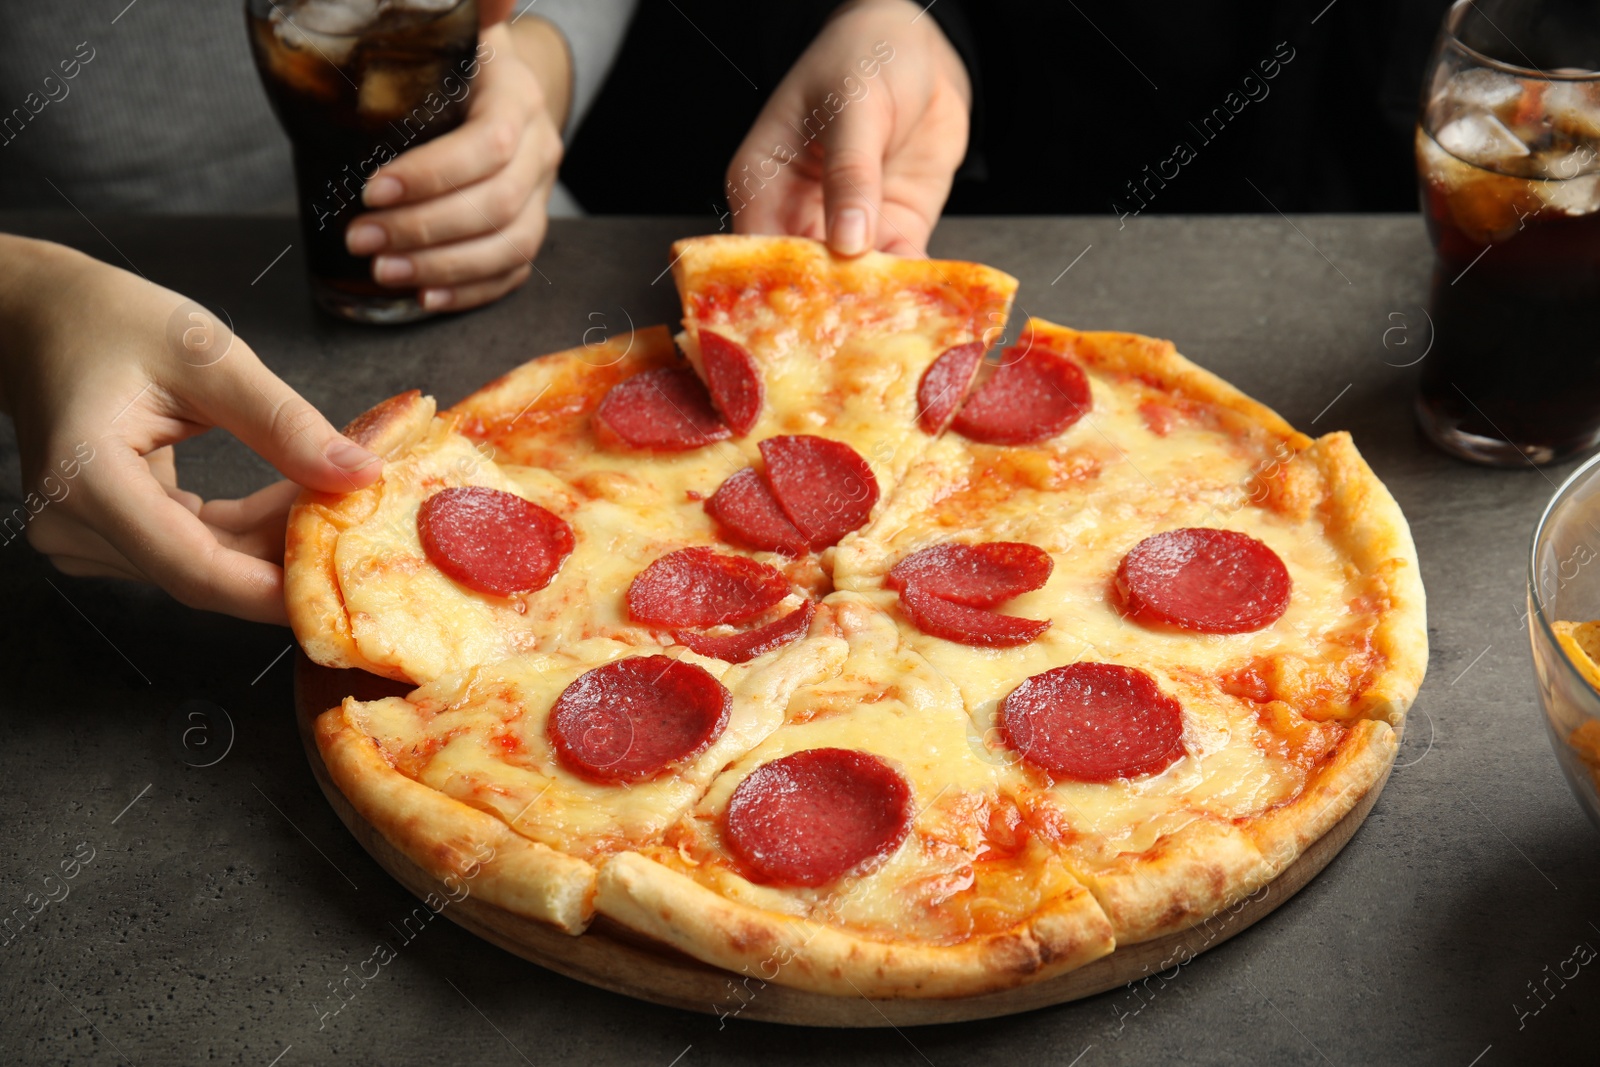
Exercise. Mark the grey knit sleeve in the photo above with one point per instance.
(594, 30)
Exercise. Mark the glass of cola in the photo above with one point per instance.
(355, 83)
(1508, 158)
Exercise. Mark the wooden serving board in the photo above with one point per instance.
(616, 958)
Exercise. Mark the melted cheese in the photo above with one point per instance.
(947, 880)
(625, 512)
(1194, 476)
(481, 737)
(1087, 497)
(841, 345)
(403, 611)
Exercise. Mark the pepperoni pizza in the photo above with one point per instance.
(827, 645)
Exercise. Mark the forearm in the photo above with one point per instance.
(543, 50)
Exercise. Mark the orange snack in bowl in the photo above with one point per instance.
(1581, 642)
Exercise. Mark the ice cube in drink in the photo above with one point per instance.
(1511, 195)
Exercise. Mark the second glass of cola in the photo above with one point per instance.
(1508, 154)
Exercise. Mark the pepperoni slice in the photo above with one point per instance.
(812, 816)
(663, 410)
(968, 626)
(1029, 399)
(746, 507)
(824, 486)
(945, 384)
(1093, 722)
(979, 576)
(734, 381)
(1214, 581)
(700, 587)
(632, 719)
(741, 648)
(493, 541)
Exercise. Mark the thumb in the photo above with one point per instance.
(233, 389)
(852, 179)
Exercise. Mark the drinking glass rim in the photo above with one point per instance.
(1535, 597)
(251, 6)
(1454, 15)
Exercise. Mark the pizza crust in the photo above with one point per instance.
(1359, 765)
(1211, 865)
(1368, 523)
(541, 413)
(668, 906)
(310, 586)
(451, 840)
(1185, 878)
(1158, 362)
(390, 426)
(735, 267)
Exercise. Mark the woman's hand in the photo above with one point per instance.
(875, 154)
(461, 217)
(102, 373)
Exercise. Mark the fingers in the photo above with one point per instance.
(238, 393)
(492, 255)
(492, 204)
(852, 178)
(254, 525)
(838, 198)
(484, 144)
(263, 542)
(163, 463)
(475, 294)
(190, 501)
(161, 540)
(466, 212)
(770, 188)
(874, 165)
(904, 231)
(478, 148)
(248, 513)
(81, 567)
(234, 574)
(59, 535)
(918, 173)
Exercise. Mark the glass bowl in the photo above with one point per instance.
(1564, 584)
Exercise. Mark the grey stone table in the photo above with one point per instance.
(222, 901)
